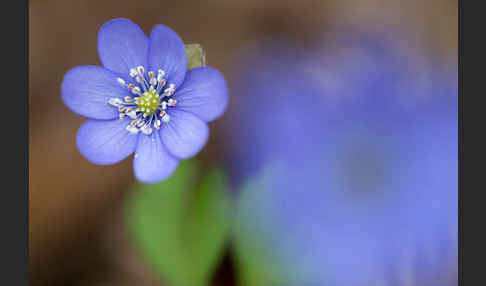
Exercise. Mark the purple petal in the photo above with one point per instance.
(167, 52)
(152, 163)
(122, 45)
(203, 93)
(105, 142)
(86, 91)
(185, 134)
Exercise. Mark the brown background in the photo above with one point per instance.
(75, 233)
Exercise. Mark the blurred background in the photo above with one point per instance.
(289, 62)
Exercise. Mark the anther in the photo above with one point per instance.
(157, 124)
(131, 129)
(170, 90)
(166, 118)
(147, 130)
(171, 102)
(132, 114)
(121, 108)
(136, 90)
(115, 101)
(133, 72)
(128, 99)
(160, 75)
(140, 69)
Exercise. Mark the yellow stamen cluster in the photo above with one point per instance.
(148, 102)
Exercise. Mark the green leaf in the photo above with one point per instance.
(195, 56)
(180, 226)
(254, 263)
(254, 247)
(209, 224)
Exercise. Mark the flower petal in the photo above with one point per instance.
(152, 163)
(105, 142)
(185, 134)
(204, 93)
(122, 45)
(86, 91)
(167, 52)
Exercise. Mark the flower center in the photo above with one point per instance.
(148, 102)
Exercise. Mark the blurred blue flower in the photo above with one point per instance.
(362, 147)
(143, 87)
(272, 107)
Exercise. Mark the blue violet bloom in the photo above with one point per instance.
(143, 100)
(348, 165)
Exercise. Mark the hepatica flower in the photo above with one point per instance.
(143, 100)
(362, 187)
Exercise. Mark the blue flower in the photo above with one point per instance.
(362, 187)
(143, 100)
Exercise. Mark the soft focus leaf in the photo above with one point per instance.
(209, 223)
(180, 226)
(256, 263)
(155, 220)
(253, 266)
(195, 56)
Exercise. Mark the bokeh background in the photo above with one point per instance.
(77, 230)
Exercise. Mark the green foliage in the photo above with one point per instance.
(195, 56)
(181, 225)
(254, 243)
(254, 266)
